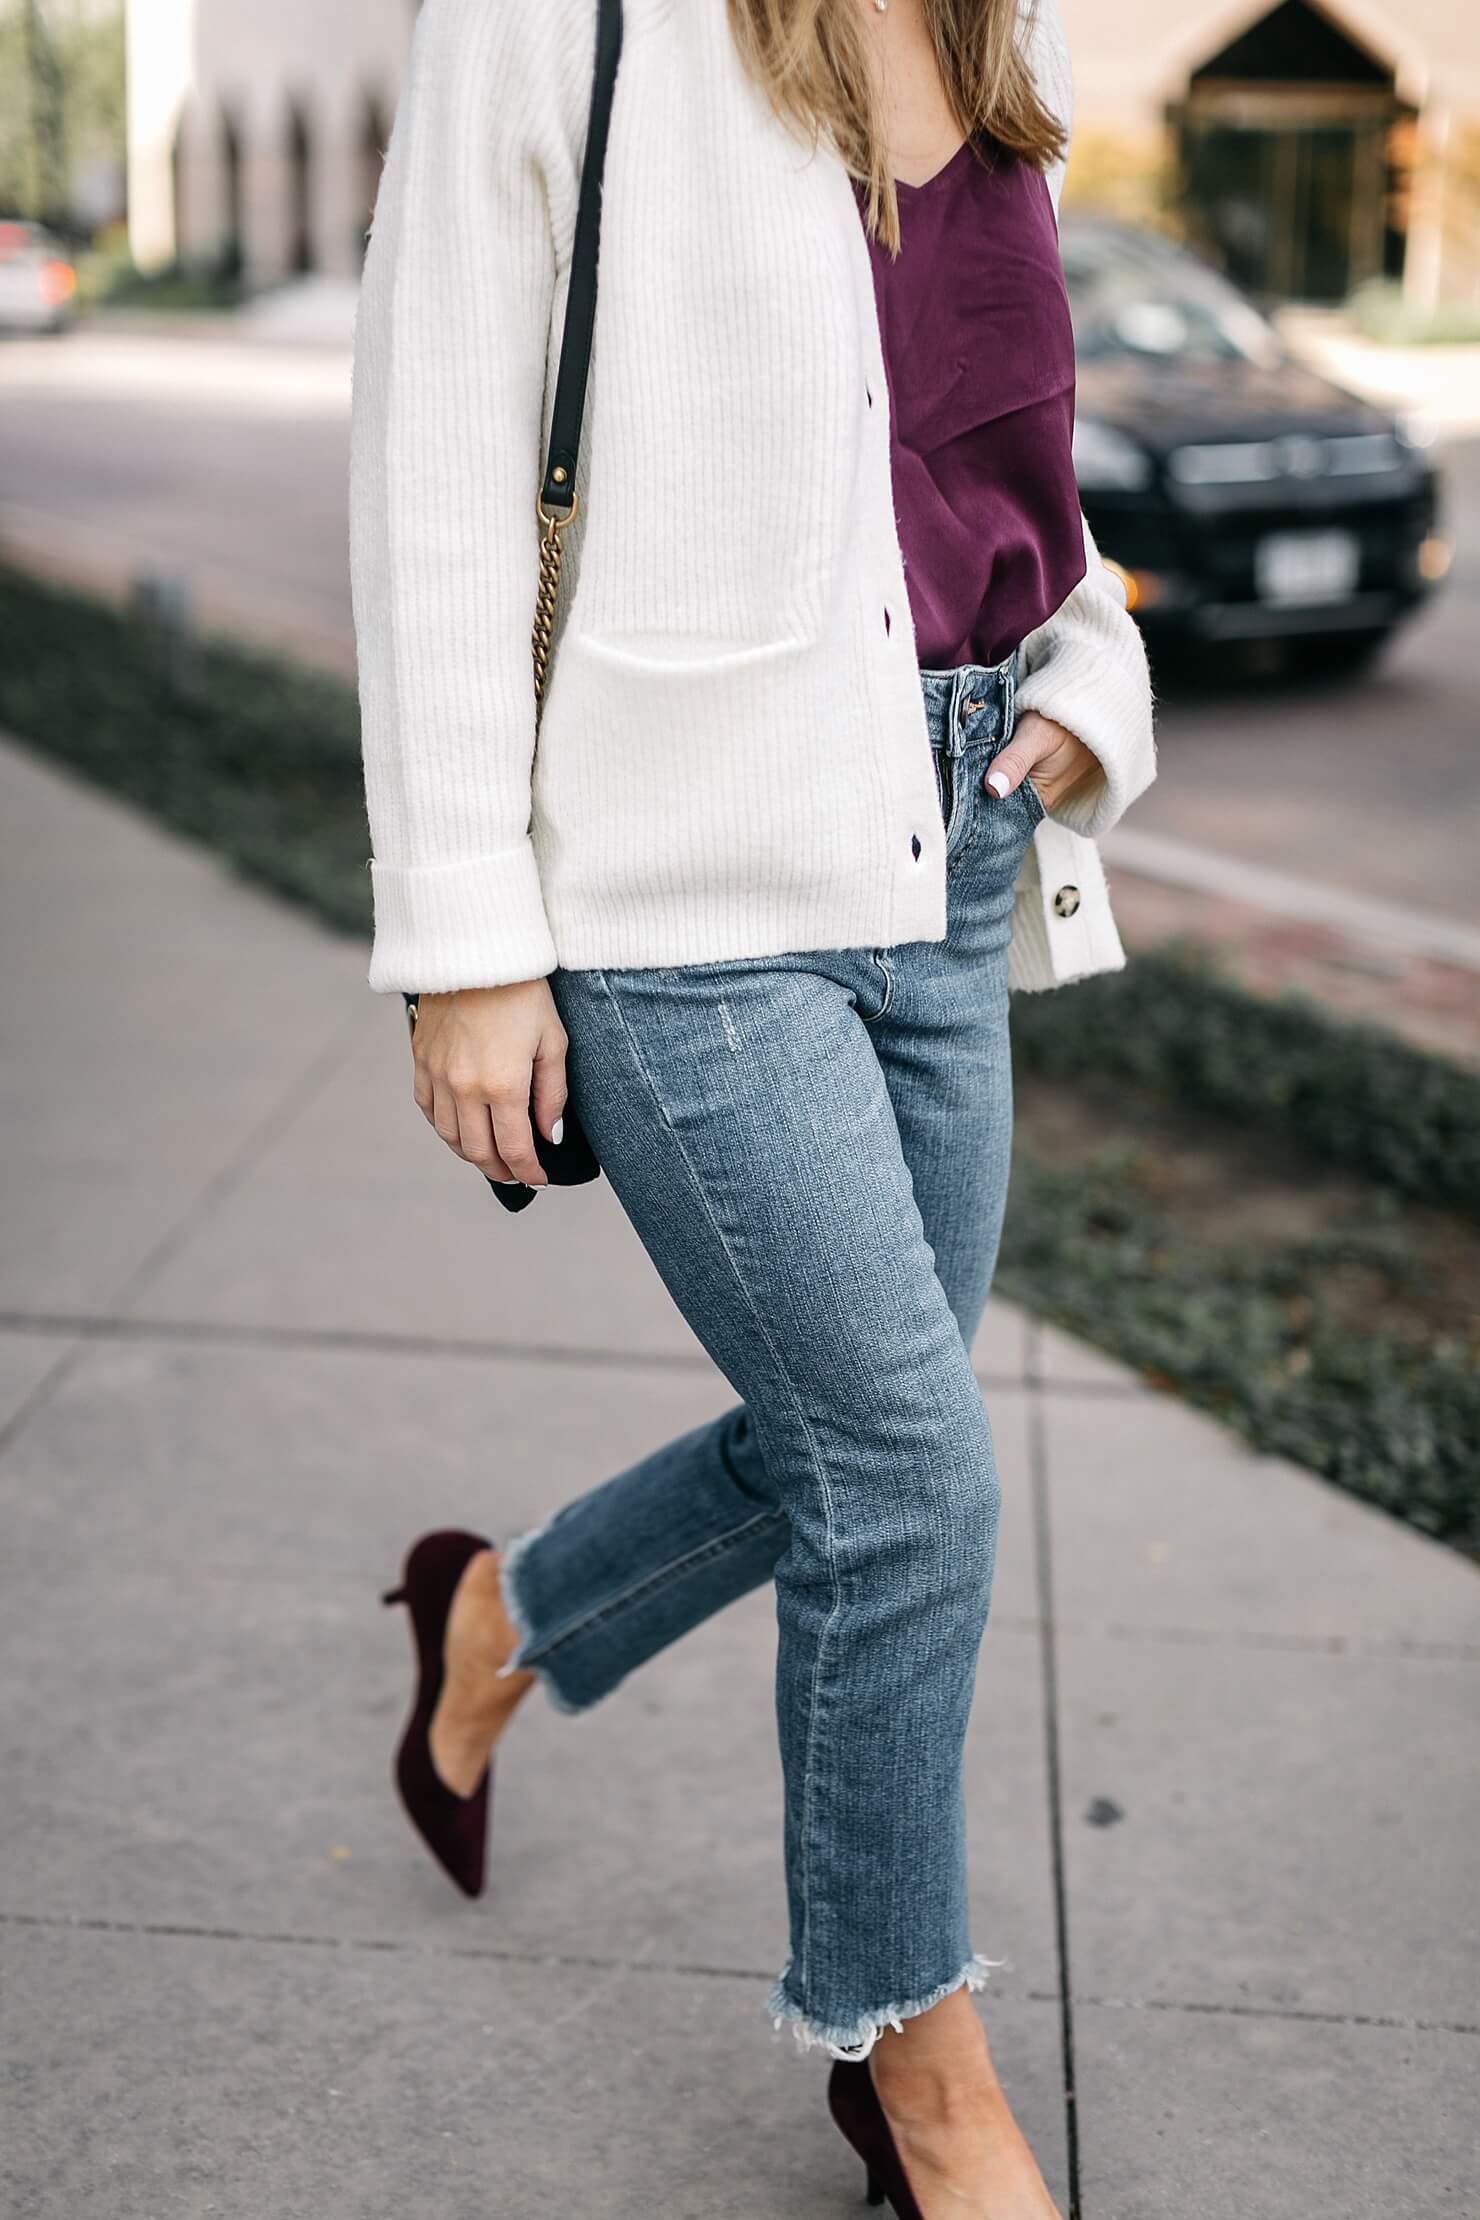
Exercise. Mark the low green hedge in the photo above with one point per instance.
(1176, 1028)
(1255, 1333)
(258, 758)
(261, 761)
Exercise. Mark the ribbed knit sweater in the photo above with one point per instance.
(733, 758)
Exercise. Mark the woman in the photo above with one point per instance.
(841, 695)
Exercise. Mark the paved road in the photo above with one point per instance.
(121, 451)
(255, 1327)
(1371, 784)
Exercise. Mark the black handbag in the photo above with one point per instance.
(574, 1160)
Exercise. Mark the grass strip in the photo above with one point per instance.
(1175, 1028)
(257, 758)
(1261, 1332)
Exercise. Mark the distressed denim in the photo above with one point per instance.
(813, 1148)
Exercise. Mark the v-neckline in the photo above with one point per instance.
(903, 185)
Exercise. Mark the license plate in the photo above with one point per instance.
(1307, 566)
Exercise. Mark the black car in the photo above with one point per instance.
(1245, 497)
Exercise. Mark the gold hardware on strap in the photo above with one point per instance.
(548, 591)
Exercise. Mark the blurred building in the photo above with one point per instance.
(257, 129)
(1308, 147)
(1309, 144)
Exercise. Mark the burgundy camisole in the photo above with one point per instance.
(979, 355)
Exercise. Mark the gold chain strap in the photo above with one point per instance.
(547, 593)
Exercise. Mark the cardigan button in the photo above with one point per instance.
(1066, 901)
(915, 846)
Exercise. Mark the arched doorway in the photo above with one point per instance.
(229, 156)
(179, 206)
(1287, 140)
(370, 146)
(299, 158)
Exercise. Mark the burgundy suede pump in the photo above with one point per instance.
(454, 1828)
(854, 2104)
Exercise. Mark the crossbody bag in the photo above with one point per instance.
(573, 1160)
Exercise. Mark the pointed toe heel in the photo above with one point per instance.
(454, 1828)
(854, 2104)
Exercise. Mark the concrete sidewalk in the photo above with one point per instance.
(255, 1329)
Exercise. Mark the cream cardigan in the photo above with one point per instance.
(733, 756)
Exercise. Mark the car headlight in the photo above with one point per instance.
(1105, 461)
(1414, 430)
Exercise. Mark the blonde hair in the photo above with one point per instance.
(811, 58)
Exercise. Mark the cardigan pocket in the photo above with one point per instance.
(652, 656)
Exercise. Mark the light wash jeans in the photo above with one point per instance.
(814, 1151)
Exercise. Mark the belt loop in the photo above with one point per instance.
(1009, 696)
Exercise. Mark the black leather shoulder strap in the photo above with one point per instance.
(557, 493)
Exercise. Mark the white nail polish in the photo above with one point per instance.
(1000, 784)
(557, 1131)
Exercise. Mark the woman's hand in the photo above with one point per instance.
(484, 1058)
(1059, 763)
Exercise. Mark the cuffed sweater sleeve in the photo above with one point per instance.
(1086, 669)
(448, 403)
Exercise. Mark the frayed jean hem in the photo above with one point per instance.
(852, 2040)
(525, 1659)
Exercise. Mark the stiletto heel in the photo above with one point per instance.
(854, 2104)
(454, 1828)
